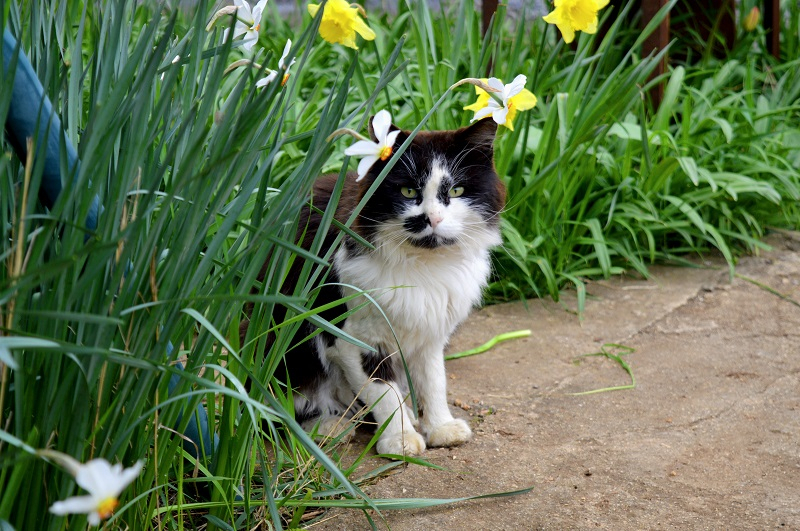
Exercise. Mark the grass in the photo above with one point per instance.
(201, 177)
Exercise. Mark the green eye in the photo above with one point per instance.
(408, 192)
(456, 191)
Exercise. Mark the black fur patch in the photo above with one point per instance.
(378, 365)
(417, 223)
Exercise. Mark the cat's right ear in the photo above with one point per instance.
(481, 133)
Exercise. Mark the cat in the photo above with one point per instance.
(432, 222)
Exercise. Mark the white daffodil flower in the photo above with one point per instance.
(248, 22)
(266, 80)
(272, 74)
(282, 60)
(515, 98)
(104, 483)
(372, 151)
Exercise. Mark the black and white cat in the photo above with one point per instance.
(432, 222)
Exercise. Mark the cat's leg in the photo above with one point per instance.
(383, 395)
(430, 384)
(325, 409)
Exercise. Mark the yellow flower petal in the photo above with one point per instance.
(362, 29)
(524, 100)
(340, 23)
(575, 15)
(483, 101)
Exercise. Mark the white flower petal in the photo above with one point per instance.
(500, 115)
(250, 40)
(269, 78)
(381, 124)
(495, 83)
(258, 10)
(515, 87)
(482, 113)
(391, 138)
(102, 480)
(285, 53)
(129, 475)
(94, 518)
(74, 505)
(363, 148)
(238, 29)
(96, 475)
(244, 11)
(364, 166)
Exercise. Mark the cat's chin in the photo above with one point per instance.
(432, 241)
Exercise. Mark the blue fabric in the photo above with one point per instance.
(29, 108)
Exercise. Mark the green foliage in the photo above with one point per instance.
(202, 176)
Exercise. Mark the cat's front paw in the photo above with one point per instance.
(405, 443)
(450, 433)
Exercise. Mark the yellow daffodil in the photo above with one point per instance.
(575, 15)
(104, 483)
(515, 97)
(340, 23)
(380, 149)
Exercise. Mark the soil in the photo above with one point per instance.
(709, 438)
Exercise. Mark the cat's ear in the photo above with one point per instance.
(481, 133)
(392, 127)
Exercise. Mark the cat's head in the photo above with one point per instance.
(442, 192)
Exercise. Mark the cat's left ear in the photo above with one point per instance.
(480, 134)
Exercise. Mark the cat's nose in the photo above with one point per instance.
(434, 220)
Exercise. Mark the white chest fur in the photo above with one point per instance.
(424, 294)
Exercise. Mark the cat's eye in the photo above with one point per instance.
(456, 191)
(410, 193)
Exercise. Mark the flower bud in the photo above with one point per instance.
(751, 20)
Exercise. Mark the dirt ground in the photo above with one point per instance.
(708, 439)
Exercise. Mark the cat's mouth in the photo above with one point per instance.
(431, 241)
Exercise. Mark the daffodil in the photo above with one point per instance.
(340, 23)
(575, 15)
(272, 74)
(381, 148)
(104, 483)
(248, 22)
(515, 97)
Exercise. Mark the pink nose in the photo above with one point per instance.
(435, 220)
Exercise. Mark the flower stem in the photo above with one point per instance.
(345, 131)
(491, 91)
(241, 62)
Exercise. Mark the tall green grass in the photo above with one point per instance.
(201, 177)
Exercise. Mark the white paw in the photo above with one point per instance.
(450, 433)
(405, 443)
